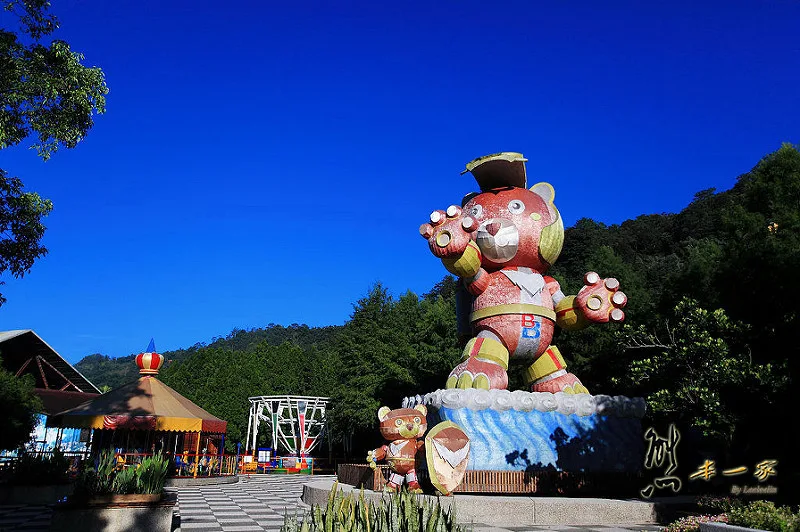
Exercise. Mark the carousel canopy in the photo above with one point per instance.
(146, 404)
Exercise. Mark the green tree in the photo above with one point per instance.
(698, 371)
(20, 408)
(44, 91)
(21, 227)
(435, 349)
(374, 369)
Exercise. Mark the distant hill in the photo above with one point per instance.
(103, 370)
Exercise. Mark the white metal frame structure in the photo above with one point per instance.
(289, 417)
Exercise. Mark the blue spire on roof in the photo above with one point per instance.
(151, 347)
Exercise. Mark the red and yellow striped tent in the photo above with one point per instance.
(145, 404)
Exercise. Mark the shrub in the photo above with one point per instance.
(151, 474)
(692, 523)
(719, 504)
(124, 481)
(400, 512)
(36, 470)
(98, 480)
(148, 477)
(764, 515)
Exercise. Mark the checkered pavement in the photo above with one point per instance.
(21, 517)
(255, 503)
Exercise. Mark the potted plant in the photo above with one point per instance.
(114, 497)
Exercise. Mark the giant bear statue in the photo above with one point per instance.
(500, 242)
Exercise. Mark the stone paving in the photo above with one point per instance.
(19, 517)
(253, 504)
(257, 503)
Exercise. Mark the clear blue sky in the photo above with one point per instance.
(269, 161)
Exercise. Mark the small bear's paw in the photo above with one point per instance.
(414, 487)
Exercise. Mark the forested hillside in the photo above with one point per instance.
(709, 336)
(104, 371)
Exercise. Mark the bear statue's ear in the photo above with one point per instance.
(383, 412)
(468, 197)
(422, 409)
(545, 191)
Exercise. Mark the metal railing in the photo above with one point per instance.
(181, 465)
(201, 465)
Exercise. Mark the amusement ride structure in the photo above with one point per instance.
(297, 423)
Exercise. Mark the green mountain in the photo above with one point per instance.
(103, 370)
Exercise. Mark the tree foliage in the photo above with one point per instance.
(45, 91)
(20, 408)
(21, 227)
(44, 87)
(698, 371)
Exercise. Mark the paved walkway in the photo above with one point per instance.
(18, 517)
(253, 504)
(257, 503)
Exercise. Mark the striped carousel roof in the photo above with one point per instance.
(146, 404)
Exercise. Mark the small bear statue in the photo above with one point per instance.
(404, 429)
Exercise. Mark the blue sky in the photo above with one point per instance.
(268, 162)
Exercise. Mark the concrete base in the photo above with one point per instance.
(723, 527)
(133, 518)
(48, 494)
(200, 481)
(517, 511)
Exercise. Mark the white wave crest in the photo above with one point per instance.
(501, 400)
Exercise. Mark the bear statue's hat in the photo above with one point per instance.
(506, 169)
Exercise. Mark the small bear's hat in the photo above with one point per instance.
(506, 169)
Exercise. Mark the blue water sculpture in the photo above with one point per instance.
(526, 431)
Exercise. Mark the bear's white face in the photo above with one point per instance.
(498, 239)
(510, 222)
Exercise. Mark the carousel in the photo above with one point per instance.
(146, 417)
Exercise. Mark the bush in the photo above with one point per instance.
(400, 512)
(764, 515)
(37, 470)
(148, 477)
(719, 504)
(692, 523)
(124, 481)
(151, 474)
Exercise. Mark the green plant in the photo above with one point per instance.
(20, 404)
(33, 470)
(146, 478)
(151, 474)
(764, 515)
(98, 480)
(720, 504)
(400, 512)
(692, 523)
(125, 481)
